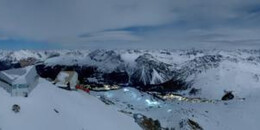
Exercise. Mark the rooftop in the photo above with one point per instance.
(17, 76)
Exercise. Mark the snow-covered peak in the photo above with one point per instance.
(143, 67)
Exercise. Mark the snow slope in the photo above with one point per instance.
(240, 77)
(211, 71)
(220, 115)
(77, 111)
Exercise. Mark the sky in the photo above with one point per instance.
(116, 24)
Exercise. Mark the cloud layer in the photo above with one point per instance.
(133, 23)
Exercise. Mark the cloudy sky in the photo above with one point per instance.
(149, 24)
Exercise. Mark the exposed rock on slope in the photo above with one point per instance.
(150, 71)
(159, 70)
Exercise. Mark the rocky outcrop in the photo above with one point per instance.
(16, 108)
(194, 125)
(116, 77)
(198, 65)
(27, 62)
(228, 96)
(149, 71)
(52, 71)
(147, 123)
(7, 64)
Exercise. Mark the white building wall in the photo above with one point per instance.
(31, 79)
(18, 91)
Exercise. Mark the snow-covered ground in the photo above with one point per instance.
(210, 71)
(80, 111)
(76, 111)
(241, 78)
(221, 115)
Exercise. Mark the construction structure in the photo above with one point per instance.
(19, 82)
